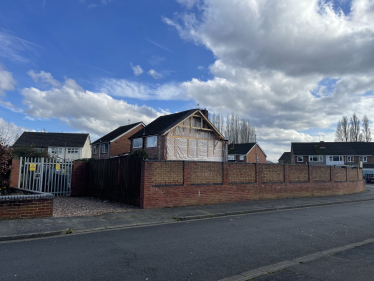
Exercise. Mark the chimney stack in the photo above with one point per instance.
(322, 145)
(205, 112)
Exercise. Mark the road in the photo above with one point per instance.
(208, 249)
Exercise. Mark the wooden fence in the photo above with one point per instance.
(115, 179)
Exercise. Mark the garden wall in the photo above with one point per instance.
(179, 183)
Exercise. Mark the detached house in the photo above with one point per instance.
(333, 153)
(187, 135)
(61, 145)
(116, 142)
(246, 152)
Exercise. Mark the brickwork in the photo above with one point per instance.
(352, 174)
(272, 173)
(190, 194)
(245, 173)
(206, 172)
(340, 174)
(28, 208)
(251, 156)
(14, 173)
(298, 173)
(320, 173)
(167, 173)
(79, 178)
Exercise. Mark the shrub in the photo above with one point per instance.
(139, 153)
(28, 151)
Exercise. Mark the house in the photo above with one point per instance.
(116, 142)
(285, 158)
(246, 152)
(333, 153)
(62, 145)
(187, 135)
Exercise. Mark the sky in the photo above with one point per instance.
(293, 68)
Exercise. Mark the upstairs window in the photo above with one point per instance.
(56, 150)
(363, 158)
(137, 143)
(231, 157)
(241, 157)
(350, 159)
(336, 158)
(152, 141)
(72, 150)
(94, 149)
(300, 159)
(104, 148)
(315, 158)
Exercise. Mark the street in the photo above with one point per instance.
(209, 249)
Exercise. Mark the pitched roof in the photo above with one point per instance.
(41, 139)
(333, 148)
(116, 133)
(242, 148)
(163, 123)
(286, 156)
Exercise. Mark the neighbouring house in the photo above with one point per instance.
(61, 145)
(285, 158)
(187, 135)
(116, 142)
(246, 152)
(333, 153)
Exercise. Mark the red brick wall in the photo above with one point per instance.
(232, 188)
(340, 174)
(352, 174)
(167, 173)
(123, 144)
(29, 208)
(79, 179)
(298, 173)
(14, 173)
(251, 156)
(320, 173)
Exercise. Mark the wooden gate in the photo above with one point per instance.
(116, 179)
(46, 175)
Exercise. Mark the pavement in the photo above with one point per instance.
(40, 227)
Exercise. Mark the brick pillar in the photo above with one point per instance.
(225, 173)
(187, 173)
(346, 173)
(258, 173)
(332, 174)
(79, 181)
(286, 174)
(142, 183)
(14, 173)
(310, 173)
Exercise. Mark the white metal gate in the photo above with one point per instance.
(46, 175)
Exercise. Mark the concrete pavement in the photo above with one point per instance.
(31, 228)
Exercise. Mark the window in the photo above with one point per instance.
(231, 157)
(315, 158)
(300, 159)
(350, 159)
(152, 141)
(56, 150)
(104, 148)
(336, 158)
(94, 149)
(72, 150)
(137, 143)
(363, 158)
(241, 157)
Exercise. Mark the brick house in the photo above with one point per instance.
(333, 153)
(61, 145)
(246, 152)
(116, 142)
(285, 158)
(187, 135)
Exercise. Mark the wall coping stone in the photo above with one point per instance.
(30, 196)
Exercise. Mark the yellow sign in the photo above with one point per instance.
(58, 167)
(32, 167)
(63, 171)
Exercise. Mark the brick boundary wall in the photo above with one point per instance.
(28, 208)
(187, 194)
(14, 173)
(79, 180)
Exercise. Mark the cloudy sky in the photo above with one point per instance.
(291, 67)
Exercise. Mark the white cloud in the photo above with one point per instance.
(188, 3)
(7, 81)
(200, 67)
(44, 77)
(154, 74)
(137, 69)
(10, 130)
(96, 113)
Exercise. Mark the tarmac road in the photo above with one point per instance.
(209, 249)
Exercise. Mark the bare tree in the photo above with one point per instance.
(354, 126)
(366, 129)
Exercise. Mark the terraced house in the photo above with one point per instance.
(187, 135)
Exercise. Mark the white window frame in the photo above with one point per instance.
(104, 148)
(363, 158)
(140, 145)
(231, 157)
(56, 150)
(350, 158)
(319, 158)
(94, 149)
(152, 141)
(242, 157)
(340, 158)
(73, 150)
(300, 157)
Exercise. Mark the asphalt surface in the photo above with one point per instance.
(209, 249)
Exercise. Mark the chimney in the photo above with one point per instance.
(205, 112)
(322, 145)
(232, 146)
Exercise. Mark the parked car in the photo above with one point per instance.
(369, 178)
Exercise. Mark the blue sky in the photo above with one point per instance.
(293, 68)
